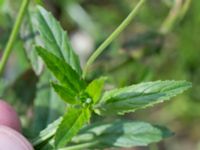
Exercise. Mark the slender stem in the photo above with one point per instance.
(172, 17)
(120, 28)
(13, 35)
(176, 13)
(185, 8)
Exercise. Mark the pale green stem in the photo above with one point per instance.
(185, 8)
(172, 17)
(113, 36)
(13, 35)
(176, 13)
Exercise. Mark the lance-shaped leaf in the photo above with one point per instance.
(140, 96)
(65, 93)
(94, 89)
(125, 134)
(72, 122)
(30, 37)
(61, 70)
(55, 38)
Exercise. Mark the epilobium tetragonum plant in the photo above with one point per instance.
(73, 131)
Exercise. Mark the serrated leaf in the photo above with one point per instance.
(124, 134)
(30, 37)
(65, 93)
(72, 122)
(94, 89)
(55, 39)
(61, 70)
(140, 96)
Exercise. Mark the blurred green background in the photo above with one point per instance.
(162, 43)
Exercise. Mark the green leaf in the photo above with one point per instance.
(55, 39)
(30, 37)
(47, 133)
(94, 89)
(140, 96)
(65, 93)
(61, 70)
(125, 134)
(72, 122)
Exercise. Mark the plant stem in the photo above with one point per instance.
(119, 29)
(13, 35)
(172, 17)
(176, 13)
(185, 8)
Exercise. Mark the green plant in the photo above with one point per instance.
(73, 131)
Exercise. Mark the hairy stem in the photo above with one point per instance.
(107, 42)
(13, 35)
